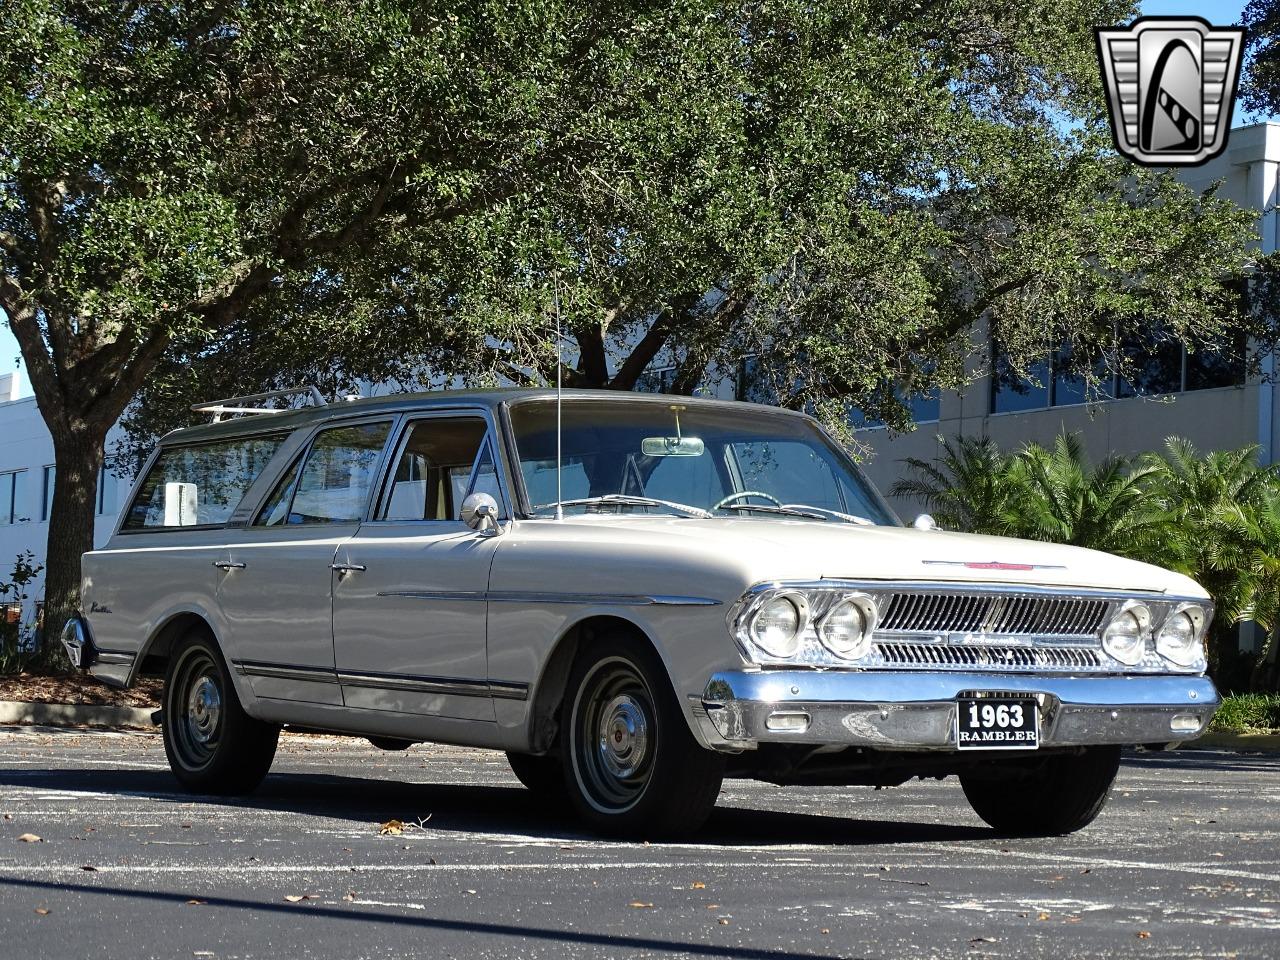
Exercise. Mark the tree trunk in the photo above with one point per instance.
(78, 455)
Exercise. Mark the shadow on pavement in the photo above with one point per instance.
(439, 924)
(481, 808)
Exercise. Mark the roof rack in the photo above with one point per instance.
(235, 405)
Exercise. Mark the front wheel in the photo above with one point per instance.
(213, 746)
(631, 765)
(1055, 796)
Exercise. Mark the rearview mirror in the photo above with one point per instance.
(672, 447)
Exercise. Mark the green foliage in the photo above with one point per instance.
(1260, 86)
(1215, 517)
(16, 637)
(1248, 711)
(837, 186)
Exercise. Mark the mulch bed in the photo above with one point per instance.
(74, 688)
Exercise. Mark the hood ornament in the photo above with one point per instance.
(993, 565)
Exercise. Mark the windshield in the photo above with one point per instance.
(710, 458)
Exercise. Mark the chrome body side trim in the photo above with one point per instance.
(587, 599)
(916, 711)
(451, 686)
(283, 671)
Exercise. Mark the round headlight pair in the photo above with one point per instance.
(1178, 639)
(845, 629)
(1125, 637)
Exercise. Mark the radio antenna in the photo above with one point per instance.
(555, 288)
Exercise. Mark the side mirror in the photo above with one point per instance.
(924, 522)
(480, 512)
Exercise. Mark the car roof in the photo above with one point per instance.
(411, 402)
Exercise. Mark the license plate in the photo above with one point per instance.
(997, 723)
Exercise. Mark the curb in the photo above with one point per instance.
(16, 712)
(1260, 742)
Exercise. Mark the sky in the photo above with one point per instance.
(1218, 12)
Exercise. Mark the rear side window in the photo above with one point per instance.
(200, 485)
(332, 485)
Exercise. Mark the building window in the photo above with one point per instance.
(755, 386)
(1157, 365)
(106, 500)
(46, 497)
(656, 380)
(11, 502)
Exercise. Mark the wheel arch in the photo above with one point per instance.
(153, 658)
(548, 691)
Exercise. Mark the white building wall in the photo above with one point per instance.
(26, 449)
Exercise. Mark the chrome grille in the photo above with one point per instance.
(993, 615)
(987, 656)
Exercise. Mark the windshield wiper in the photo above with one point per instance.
(626, 499)
(800, 510)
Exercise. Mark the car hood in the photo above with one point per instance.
(778, 549)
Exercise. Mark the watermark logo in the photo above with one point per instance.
(1170, 85)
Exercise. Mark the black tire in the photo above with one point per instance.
(543, 776)
(212, 744)
(655, 780)
(1058, 795)
(391, 744)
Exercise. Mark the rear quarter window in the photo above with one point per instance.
(200, 485)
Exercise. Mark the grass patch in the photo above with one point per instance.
(1249, 711)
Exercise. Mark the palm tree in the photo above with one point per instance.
(1056, 495)
(966, 488)
(1219, 503)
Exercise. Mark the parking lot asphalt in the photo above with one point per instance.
(1184, 862)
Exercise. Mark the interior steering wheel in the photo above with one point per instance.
(747, 493)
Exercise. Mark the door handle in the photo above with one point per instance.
(347, 567)
(229, 564)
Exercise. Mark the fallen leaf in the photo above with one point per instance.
(391, 828)
(1043, 916)
(1144, 934)
(472, 892)
(350, 896)
(723, 922)
(699, 885)
(43, 911)
(977, 940)
(298, 898)
(89, 868)
(30, 838)
(196, 903)
(8, 816)
(824, 931)
(640, 905)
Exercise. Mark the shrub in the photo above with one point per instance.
(1259, 711)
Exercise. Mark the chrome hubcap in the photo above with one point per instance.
(613, 736)
(204, 708)
(624, 736)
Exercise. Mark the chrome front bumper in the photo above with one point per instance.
(917, 710)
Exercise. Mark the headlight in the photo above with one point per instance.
(1125, 637)
(1179, 637)
(776, 627)
(846, 628)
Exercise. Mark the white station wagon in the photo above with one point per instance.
(633, 596)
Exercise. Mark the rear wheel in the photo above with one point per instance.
(631, 765)
(213, 746)
(1058, 795)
